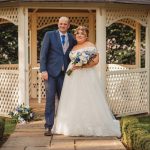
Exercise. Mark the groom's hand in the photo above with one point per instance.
(44, 75)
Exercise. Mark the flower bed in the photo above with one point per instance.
(136, 132)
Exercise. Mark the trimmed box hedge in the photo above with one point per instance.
(136, 132)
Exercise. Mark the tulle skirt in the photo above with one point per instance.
(83, 109)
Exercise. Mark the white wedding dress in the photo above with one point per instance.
(83, 110)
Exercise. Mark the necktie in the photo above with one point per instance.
(63, 39)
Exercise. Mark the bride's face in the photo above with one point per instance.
(81, 36)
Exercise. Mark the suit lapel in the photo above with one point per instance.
(59, 42)
(70, 42)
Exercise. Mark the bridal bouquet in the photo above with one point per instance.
(80, 58)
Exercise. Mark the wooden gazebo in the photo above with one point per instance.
(127, 87)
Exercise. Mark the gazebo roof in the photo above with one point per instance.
(96, 1)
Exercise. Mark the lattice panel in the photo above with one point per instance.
(127, 91)
(29, 22)
(113, 15)
(116, 67)
(3, 21)
(10, 14)
(43, 21)
(128, 22)
(8, 91)
(15, 67)
(9, 67)
(42, 86)
(30, 69)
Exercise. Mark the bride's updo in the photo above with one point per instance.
(83, 29)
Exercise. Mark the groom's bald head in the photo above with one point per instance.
(63, 18)
(63, 24)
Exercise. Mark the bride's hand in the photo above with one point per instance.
(76, 67)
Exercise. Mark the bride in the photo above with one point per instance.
(83, 110)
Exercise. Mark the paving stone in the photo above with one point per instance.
(12, 148)
(27, 141)
(62, 137)
(83, 137)
(102, 144)
(62, 144)
(38, 148)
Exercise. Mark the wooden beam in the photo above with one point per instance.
(138, 45)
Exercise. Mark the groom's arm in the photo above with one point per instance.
(44, 52)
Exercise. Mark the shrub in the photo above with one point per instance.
(2, 127)
(136, 132)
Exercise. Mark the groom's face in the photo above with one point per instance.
(63, 25)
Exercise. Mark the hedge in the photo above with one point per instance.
(2, 127)
(136, 132)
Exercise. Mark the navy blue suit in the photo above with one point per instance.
(52, 59)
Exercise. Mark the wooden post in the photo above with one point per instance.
(138, 45)
(101, 42)
(33, 55)
(147, 55)
(23, 56)
(92, 28)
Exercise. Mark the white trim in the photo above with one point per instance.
(23, 56)
(101, 43)
(147, 55)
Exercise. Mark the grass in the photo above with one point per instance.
(10, 126)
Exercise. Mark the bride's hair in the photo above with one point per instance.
(83, 29)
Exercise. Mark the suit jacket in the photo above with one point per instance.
(52, 57)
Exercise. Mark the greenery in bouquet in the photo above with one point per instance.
(22, 114)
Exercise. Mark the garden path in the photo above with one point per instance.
(30, 137)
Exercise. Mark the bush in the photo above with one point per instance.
(136, 132)
(2, 127)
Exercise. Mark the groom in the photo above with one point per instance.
(54, 60)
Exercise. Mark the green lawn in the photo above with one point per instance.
(10, 125)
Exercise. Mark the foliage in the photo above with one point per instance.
(8, 44)
(2, 127)
(121, 44)
(22, 114)
(9, 127)
(136, 132)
